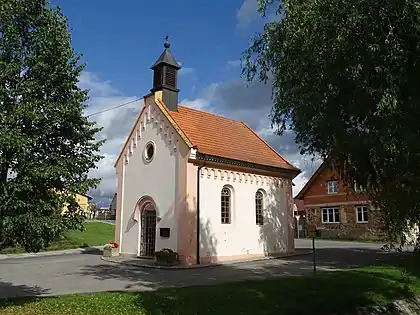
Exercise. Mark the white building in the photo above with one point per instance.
(203, 185)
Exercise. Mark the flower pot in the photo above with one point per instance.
(110, 252)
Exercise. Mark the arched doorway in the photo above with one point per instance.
(148, 229)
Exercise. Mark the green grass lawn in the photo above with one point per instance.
(96, 233)
(325, 293)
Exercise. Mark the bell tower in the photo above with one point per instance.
(165, 77)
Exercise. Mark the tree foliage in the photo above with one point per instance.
(47, 146)
(345, 78)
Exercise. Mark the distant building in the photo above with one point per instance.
(300, 218)
(338, 211)
(102, 213)
(298, 207)
(113, 207)
(83, 202)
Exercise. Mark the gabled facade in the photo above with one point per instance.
(83, 202)
(203, 185)
(338, 210)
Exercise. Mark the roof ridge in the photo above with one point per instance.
(209, 113)
(269, 146)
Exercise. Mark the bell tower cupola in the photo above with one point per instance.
(165, 77)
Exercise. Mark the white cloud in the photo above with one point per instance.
(199, 103)
(116, 124)
(185, 71)
(307, 166)
(247, 13)
(234, 63)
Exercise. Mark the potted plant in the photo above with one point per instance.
(166, 257)
(111, 249)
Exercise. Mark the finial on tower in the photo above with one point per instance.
(166, 44)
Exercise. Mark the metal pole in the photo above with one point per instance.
(313, 251)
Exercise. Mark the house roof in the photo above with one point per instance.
(113, 202)
(308, 184)
(85, 195)
(219, 136)
(227, 138)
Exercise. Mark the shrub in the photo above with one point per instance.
(166, 256)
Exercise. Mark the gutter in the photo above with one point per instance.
(198, 214)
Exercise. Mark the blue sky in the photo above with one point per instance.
(119, 43)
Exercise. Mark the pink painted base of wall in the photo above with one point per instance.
(187, 260)
(234, 258)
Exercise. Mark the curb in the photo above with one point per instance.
(181, 267)
(146, 266)
(86, 250)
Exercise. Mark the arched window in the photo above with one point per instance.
(226, 202)
(259, 206)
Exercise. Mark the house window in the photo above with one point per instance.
(331, 215)
(259, 205)
(226, 202)
(362, 214)
(332, 187)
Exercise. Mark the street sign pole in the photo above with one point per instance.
(312, 234)
(313, 253)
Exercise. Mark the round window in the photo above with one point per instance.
(149, 152)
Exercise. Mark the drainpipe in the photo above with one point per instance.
(198, 213)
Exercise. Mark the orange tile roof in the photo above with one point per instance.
(224, 137)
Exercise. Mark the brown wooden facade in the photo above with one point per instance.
(338, 211)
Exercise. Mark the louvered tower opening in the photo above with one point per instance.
(170, 77)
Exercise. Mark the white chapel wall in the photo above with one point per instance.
(242, 236)
(157, 179)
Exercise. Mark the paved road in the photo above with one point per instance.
(88, 273)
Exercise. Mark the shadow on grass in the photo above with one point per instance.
(340, 292)
(393, 277)
(327, 293)
(390, 276)
(24, 292)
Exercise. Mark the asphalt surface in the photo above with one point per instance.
(81, 273)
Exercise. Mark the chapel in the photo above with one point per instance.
(203, 185)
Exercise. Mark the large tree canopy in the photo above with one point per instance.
(47, 146)
(345, 77)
